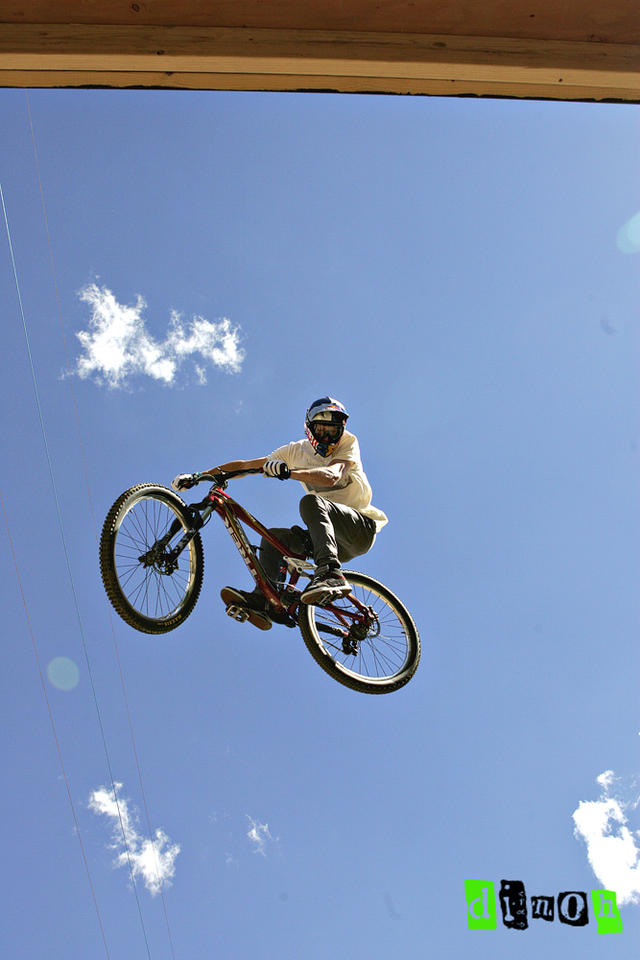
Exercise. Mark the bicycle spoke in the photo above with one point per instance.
(151, 585)
(150, 589)
(385, 649)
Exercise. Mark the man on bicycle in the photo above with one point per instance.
(340, 519)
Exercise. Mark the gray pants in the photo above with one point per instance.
(334, 533)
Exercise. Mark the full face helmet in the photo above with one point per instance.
(324, 425)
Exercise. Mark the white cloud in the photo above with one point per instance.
(613, 848)
(259, 836)
(153, 860)
(117, 345)
(606, 781)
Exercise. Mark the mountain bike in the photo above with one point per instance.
(152, 565)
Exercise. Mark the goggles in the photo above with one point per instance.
(322, 430)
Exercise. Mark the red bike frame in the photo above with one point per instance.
(233, 516)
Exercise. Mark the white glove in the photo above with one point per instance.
(276, 468)
(184, 481)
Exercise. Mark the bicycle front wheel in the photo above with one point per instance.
(147, 587)
(371, 645)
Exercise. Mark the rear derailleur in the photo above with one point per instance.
(358, 632)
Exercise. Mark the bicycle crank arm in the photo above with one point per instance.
(333, 631)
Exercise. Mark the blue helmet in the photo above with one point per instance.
(324, 425)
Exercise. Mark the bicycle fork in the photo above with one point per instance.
(167, 562)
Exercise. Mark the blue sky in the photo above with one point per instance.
(463, 274)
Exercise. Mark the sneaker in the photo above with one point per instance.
(328, 584)
(243, 606)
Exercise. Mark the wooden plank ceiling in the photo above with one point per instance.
(561, 49)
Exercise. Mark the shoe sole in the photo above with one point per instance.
(323, 595)
(232, 598)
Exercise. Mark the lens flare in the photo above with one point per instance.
(628, 239)
(63, 673)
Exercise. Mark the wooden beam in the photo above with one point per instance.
(285, 83)
(349, 61)
(602, 21)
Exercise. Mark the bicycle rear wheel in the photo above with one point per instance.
(376, 653)
(146, 587)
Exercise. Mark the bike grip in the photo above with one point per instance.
(283, 470)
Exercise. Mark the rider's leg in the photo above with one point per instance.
(295, 538)
(261, 613)
(338, 532)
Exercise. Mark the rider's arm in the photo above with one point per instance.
(337, 475)
(238, 465)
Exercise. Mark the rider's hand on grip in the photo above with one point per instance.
(184, 481)
(276, 468)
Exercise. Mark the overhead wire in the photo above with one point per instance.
(68, 565)
(70, 379)
(54, 730)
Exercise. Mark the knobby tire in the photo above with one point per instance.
(385, 662)
(123, 535)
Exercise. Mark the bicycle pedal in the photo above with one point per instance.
(236, 612)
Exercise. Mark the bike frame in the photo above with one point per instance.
(233, 515)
